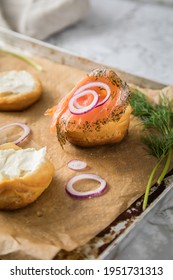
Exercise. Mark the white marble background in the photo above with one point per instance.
(133, 35)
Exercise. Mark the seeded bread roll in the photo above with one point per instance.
(96, 111)
(24, 175)
(18, 90)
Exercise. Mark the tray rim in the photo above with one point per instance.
(81, 61)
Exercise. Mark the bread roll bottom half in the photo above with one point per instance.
(24, 175)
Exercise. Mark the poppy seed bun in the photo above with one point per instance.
(111, 132)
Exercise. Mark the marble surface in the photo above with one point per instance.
(133, 35)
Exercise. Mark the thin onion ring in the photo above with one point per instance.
(23, 126)
(95, 84)
(76, 164)
(77, 109)
(88, 194)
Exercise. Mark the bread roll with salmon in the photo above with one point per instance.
(18, 90)
(24, 175)
(95, 112)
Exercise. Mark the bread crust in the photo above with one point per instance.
(18, 102)
(20, 191)
(109, 133)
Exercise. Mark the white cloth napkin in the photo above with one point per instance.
(41, 18)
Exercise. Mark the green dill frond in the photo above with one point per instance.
(169, 138)
(157, 145)
(164, 114)
(24, 58)
(141, 107)
(159, 117)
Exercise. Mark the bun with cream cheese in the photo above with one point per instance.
(18, 90)
(24, 175)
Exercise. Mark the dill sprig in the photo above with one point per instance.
(141, 107)
(24, 58)
(157, 120)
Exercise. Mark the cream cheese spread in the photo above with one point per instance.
(18, 163)
(17, 82)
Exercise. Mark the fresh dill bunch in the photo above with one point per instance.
(158, 123)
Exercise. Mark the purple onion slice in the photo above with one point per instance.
(76, 164)
(95, 84)
(26, 130)
(77, 109)
(87, 194)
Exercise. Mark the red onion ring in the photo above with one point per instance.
(76, 164)
(23, 126)
(77, 105)
(88, 194)
(95, 84)
(77, 109)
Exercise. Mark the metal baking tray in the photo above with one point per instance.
(113, 239)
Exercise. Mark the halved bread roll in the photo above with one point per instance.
(110, 133)
(18, 90)
(24, 175)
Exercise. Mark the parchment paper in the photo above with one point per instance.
(56, 221)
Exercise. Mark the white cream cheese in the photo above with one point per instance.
(18, 163)
(17, 82)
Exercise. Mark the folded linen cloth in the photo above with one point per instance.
(41, 18)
